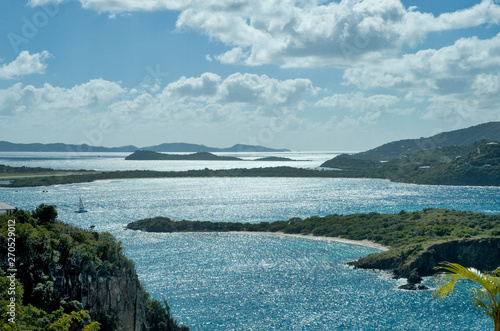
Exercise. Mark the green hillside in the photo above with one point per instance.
(474, 164)
(396, 149)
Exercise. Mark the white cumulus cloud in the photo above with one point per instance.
(31, 100)
(358, 102)
(294, 33)
(205, 85)
(263, 90)
(462, 78)
(25, 64)
(432, 68)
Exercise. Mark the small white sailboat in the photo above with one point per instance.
(81, 208)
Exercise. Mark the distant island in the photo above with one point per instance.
(274, 159)
(167, 148)
(476, 164)
(417, 241)
(194, 148)
(200, 156)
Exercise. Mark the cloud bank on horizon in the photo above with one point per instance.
(330, 75)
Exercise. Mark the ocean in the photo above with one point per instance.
(227, 281)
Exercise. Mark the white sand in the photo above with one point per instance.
(366, 243)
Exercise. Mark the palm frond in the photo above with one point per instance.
(487, 297)
(482, 299)
(457, 271)
(445, 283)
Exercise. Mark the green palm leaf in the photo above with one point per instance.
(487, 297)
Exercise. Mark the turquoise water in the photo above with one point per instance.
(265, 282)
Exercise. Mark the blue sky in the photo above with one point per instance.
(306, 75)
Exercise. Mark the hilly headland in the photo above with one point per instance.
(475, 164)
(396, 149)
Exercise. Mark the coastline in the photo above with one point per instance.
(365, 243)
(25, 178)
(444, 235)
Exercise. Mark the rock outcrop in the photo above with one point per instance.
(122, 296)
(482, 254)
(117, 301)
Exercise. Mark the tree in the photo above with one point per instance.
(45, 213)
(159, 317)
(75, 321)
(487, 297)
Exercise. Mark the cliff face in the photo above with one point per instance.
(117, 301)
(123, 295)
(109, 291)
(64, 269)
(482, 254)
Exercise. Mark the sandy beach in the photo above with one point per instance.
(366, 243)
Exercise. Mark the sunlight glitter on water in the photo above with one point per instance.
(259, 282)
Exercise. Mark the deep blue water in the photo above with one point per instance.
(264, 282)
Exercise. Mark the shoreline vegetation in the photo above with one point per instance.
(477, 164)
(458, 176)
(66, 278)
(412, 243)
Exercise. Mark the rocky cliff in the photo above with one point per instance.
(118, 302)
(482, 254)
(63, 269)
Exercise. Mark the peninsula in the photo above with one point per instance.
(489, 131)
(475, 164)
(417, 241)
